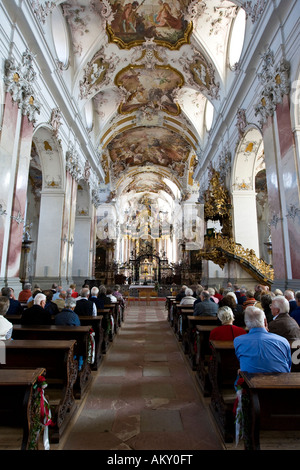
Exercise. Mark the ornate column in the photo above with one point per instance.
(19, 116)
(283, 189)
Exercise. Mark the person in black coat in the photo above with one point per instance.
(37, 315)
(84, 307)
(95, 298)
(15, 307)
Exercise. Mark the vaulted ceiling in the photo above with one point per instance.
(147, 75)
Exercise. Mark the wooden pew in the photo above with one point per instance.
(173, 306)
(57, 357)
(101, 335)
(101, 340)
(169, 300)
(81, 334)
(203, 357)
(17, 403)
(271, 402)
(190, 335)
(107, 327)
(223, 372)
(180, 324)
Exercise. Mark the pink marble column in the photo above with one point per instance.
(290, 184)
(7, 169)
(276, 216)
(19, 200)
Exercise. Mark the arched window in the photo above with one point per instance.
(60, 36)
(237, 38)
(209, 115)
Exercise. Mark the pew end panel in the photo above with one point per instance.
(223, 372)
(270, 402)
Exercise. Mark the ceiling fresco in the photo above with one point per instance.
(149, 68)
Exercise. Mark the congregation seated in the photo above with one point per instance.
(15, 307)
(94, 298)
(181, 293)
(84, 306)
(198, 295)
(283, 324)
(260, 351)
(67, 316)
(230, 301)
(265, 301)
(188, 299)
(109, 294)
(25, 293)
(30, 301)
(50, 306)
(118, 294)
(250, 299)
(206, 306)
(241, 295)
(60, 301)
(290, 296)
(6, 328)
(296, 313)
(56, 294)
(227, 331)
(102, 295)
(74, 293)
(213, 297)
(37, 315)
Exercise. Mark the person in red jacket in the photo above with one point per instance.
(227, 331)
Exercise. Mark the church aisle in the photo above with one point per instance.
(144, 396)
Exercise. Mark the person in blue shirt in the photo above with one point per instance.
(67, 316)
(260, 351)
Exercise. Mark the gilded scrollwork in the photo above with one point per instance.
(217, 203)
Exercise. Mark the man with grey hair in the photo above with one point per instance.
(67, 316)
(94, 298)
(84, 307)
(260, 351)
(283, 324)
(206, 306)
(37, 315)
(290, 296)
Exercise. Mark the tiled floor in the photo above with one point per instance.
(144, 396)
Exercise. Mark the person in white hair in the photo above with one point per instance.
(189, 299)
(227, 331)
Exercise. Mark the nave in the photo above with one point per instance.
(145, 396)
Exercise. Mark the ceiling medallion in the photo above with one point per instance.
(133, 22)
(152, 88)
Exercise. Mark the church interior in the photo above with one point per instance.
(148, 145)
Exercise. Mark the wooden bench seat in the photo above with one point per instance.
(223, 372)
(17, 403)
(81, 334)
(57, 357)
(180, 322)
(203, 357)
(190, 335)
(271, 402)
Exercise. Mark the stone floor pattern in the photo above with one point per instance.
(144, 396)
